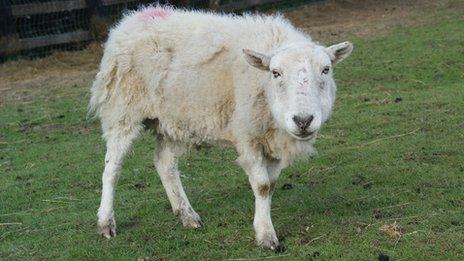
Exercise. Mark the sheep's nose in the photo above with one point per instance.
(303, 122)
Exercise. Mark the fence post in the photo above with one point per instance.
(98, 23)
(94, 7)
(214, 4)
(7, 28)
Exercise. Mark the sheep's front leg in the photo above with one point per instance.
(262, 185)
(166, 165)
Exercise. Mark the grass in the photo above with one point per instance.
(393, 152)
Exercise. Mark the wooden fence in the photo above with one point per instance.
(36, 27)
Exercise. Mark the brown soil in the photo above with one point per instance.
(341, 19)
(20, 80)
(330, 21)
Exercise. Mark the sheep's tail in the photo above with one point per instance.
(100, 89)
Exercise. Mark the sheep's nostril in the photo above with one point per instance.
(303, 122)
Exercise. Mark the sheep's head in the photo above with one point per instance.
(300, 88)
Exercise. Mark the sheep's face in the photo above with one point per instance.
(300, 88)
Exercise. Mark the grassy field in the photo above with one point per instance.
(388, 179)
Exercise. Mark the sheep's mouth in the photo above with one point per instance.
(304, 135)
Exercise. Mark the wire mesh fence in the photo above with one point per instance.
(36, 28)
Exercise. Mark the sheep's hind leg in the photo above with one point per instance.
(166, 165)
(118, 143)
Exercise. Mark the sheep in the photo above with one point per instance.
(253, 82)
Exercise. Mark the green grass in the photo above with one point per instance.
(379, 162)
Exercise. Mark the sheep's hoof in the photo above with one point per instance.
(107, 228)
(270, 241)
(190, 219)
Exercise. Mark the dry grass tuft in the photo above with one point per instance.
(393, 231)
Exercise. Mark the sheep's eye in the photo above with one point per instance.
(326, 70)
(276, 74)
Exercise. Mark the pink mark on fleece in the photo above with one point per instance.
(154, 13)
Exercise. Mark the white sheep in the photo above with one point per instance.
(253, 82)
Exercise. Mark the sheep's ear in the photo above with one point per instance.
(258, 60)
(340, 51)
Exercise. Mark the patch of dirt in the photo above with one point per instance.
(50, 128)
(334, 20)
(338, 20)
(21, 79)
